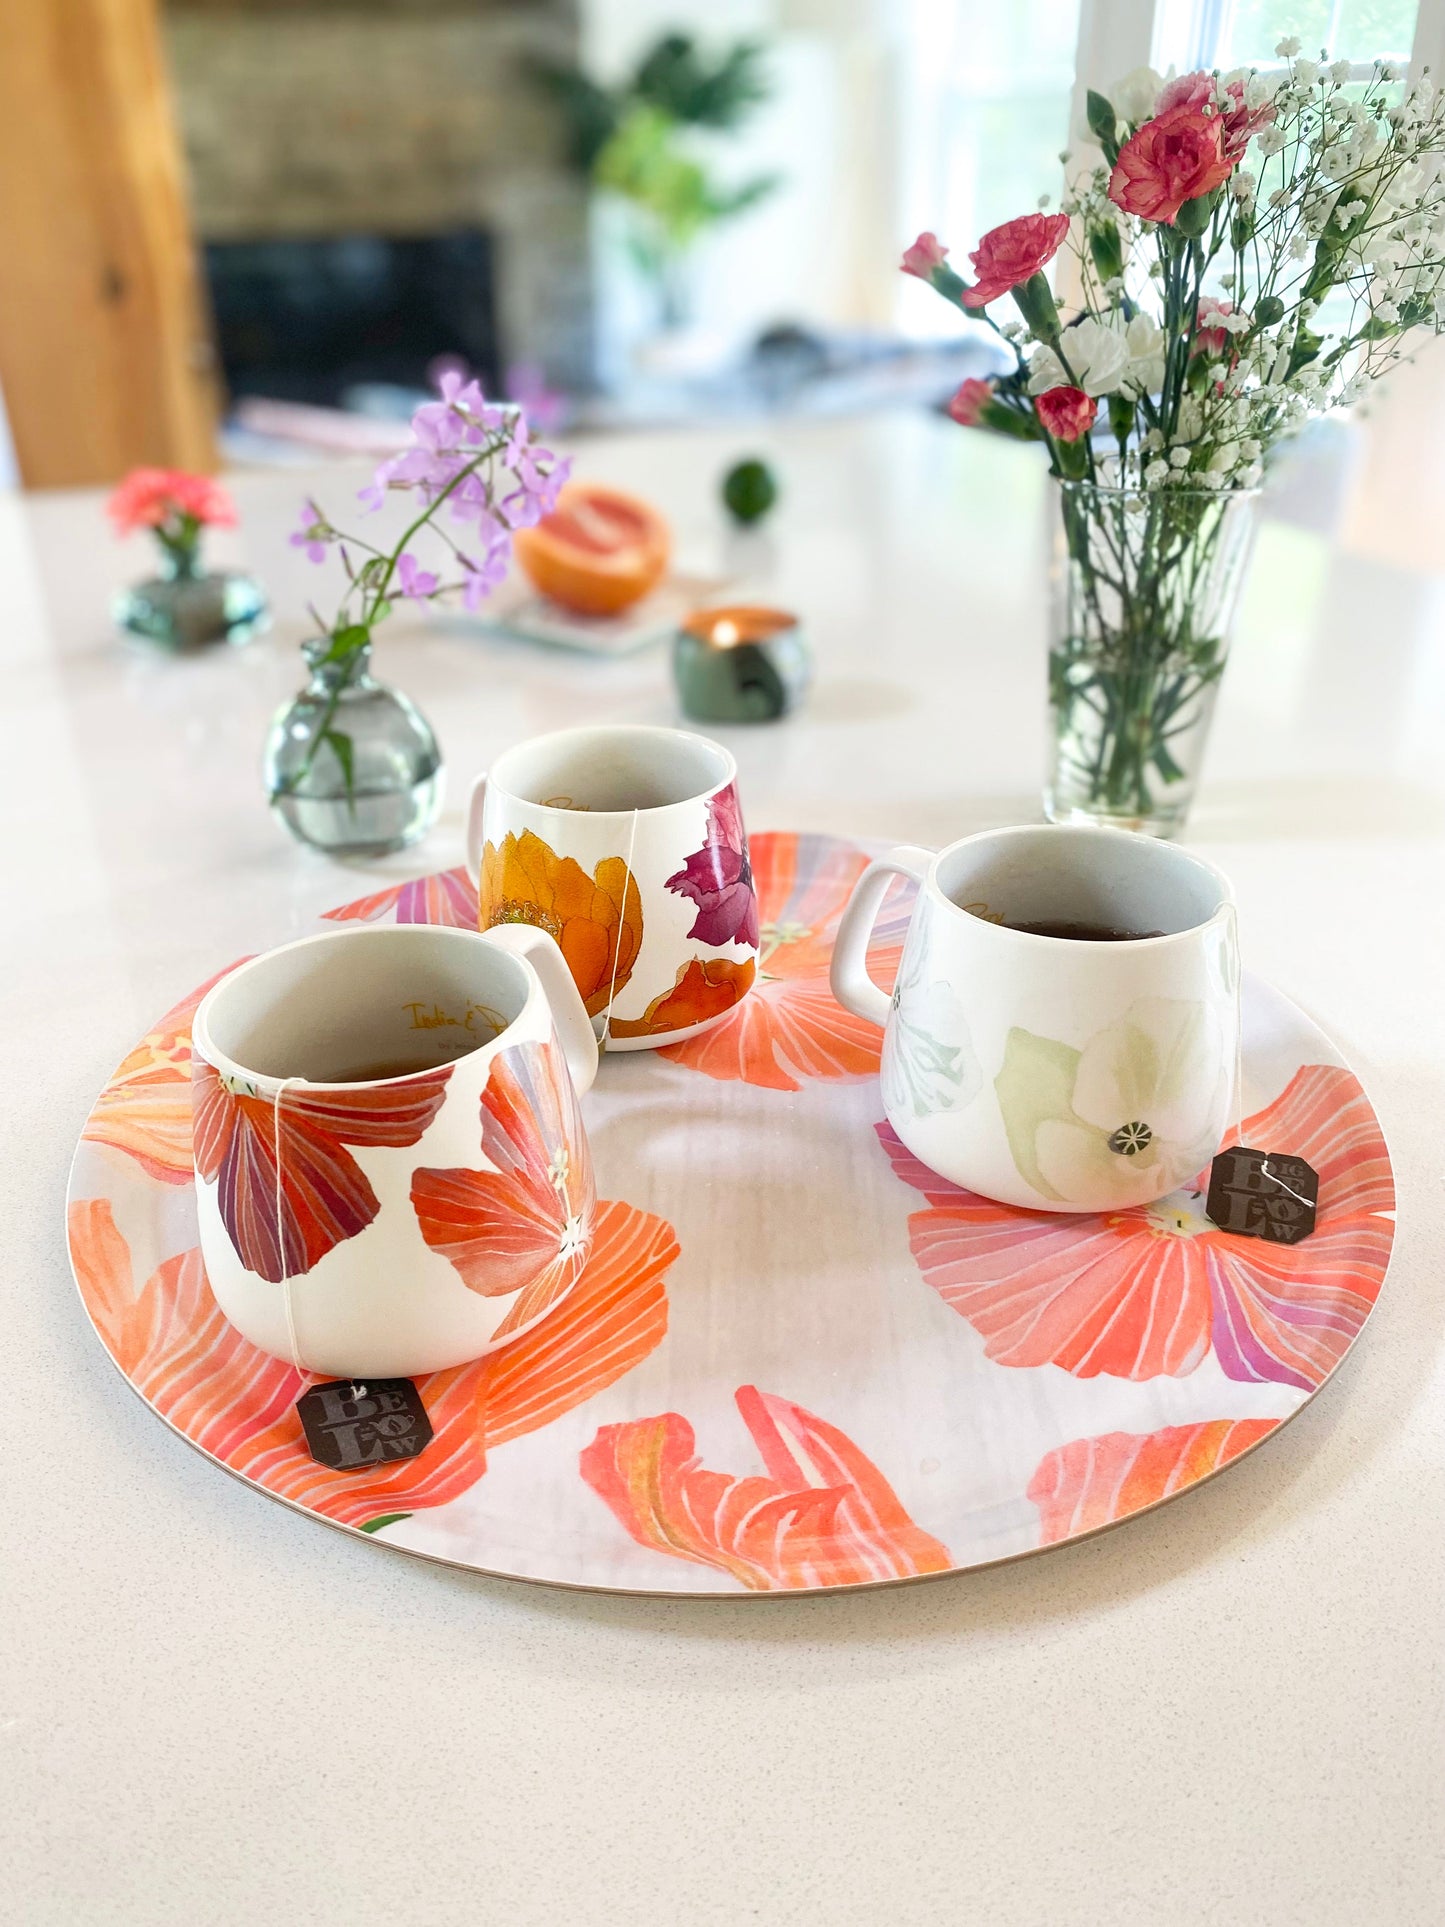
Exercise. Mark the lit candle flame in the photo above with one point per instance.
(725, 633)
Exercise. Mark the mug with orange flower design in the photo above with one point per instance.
(625, 843)
(392, 1176)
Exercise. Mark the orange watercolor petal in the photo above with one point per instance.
(1092, 1482)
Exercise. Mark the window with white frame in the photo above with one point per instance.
(1245, 33)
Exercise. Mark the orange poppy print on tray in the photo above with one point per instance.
(525, 1226)
(1149, 1291)
(824, 1515)
(238, 1404)
(449, 898)
(282, 1223)
(790, 1028)
(1090, 1483)
(145, 1109)
(596, 920)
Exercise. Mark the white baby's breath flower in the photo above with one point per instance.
(1299, 247)
(1222, 460)
(1288, 47)
(1339, 71)
(1387, 312)
(1306, 72)
(1269, 140)
(1156, 474)
(1179, 458)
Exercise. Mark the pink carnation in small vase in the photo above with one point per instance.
(184, 607)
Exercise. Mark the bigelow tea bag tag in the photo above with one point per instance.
(355, 1426)
(1262, 1194)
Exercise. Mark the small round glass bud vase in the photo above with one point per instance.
(187, 607)
(352, 766)
(740, 665)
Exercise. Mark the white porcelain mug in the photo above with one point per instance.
(392, 1175)
(1051, 1072)
(625, 842)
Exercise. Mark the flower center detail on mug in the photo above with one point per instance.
(777, 936)
(1163, 1060)
(510, 911)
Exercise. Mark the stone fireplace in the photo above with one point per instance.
(377, 182)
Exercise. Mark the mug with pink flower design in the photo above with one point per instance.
(1064, 1030)
(392, 1176)
(625, 843)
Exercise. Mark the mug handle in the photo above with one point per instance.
(475, 803)
(848, 975)
(569, 1013)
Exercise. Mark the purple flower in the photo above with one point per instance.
(527, 386)
(416, 582)
(314, 533)
(480, 578)
(719, 878)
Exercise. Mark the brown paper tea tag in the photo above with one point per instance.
(354, 1425)
(1262, 1194)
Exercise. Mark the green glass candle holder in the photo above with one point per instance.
(740, 665)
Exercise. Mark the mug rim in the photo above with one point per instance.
(497, 782)
(222, 1061)
(1087, 831)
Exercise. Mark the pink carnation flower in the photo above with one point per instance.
(1210, 338)
(148, 498)
(969, 401)
(1238, 124)
(926, 254)
(1009, 255)
(1067, 413)
(1173, 158)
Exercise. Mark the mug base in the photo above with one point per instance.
(656, 1040)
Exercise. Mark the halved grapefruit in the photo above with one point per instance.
(598, 552)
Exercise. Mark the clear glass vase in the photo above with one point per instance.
(352, 766)
(1146, 586)
(185, 607)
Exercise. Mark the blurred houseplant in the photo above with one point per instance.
(639, 142)
(184, 607)
(1222, 305)
(352, 766)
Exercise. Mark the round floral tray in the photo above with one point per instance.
(795, 1359)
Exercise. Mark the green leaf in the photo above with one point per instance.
(346, 641)
(1306, 346)
(384, 1519)
(341, 748)
(1100, 114)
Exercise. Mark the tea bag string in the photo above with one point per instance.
(621, 926)
(286, 1297)
(1264, 1169)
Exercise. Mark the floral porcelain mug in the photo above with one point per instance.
(626, 844)
(391, 1171)
(1059, 1073)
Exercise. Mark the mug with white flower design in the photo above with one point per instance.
(392, 1176)
(1054, 1072)
(625, 842)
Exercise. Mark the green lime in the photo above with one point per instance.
(749, 491)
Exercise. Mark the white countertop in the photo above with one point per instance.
(214, 1710)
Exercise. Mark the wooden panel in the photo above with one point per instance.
(104, 356)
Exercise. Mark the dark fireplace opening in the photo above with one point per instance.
(311, 319)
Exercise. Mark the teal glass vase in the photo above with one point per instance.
(352, 767)
(186, 607)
